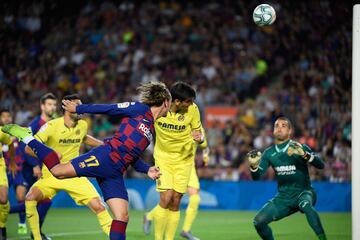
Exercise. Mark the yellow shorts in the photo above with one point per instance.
(174, 176)
(194, 179)
(80, 189)
(3, 176)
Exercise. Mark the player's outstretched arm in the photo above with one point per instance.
(257, 163)
(92, 141)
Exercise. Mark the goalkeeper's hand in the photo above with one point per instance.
(205, 155)
(254, 157)
(295, 148)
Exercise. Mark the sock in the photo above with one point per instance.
(313, 219)
(48, 156)
(33, 218)
(191, 211)
(173, 222)
(42, 209)
(118, 230)
(160, 220)
(4, 212)
(20, 207)
(105, 221)
(22, 215)
(150, 215)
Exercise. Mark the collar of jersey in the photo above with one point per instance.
(283, 146)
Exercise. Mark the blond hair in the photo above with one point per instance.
(153, 93)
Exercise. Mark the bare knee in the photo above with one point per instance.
(3, 195)
(96, 205)
(34, 195)
(62, 171)
(166, 199)
(175, 202)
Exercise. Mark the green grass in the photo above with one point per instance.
(79, 224)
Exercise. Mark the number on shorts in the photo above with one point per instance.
(91, 162)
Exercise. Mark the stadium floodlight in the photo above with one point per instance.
(355, 123)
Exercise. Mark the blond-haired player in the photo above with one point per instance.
(65, 135)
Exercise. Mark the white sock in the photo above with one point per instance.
(28, 139)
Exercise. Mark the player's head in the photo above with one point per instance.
(183, 95)
(5, 116)
(48, 104)
(155, 94)
(73, 98)
(282, 129)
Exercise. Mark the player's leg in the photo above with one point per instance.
(193, 205)
(273, 210)
(84, 193)
(4, 203)
(306, 201)
(20, 196)
(181, 180)
(32, 198)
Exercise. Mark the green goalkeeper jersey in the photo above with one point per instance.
(291, 171)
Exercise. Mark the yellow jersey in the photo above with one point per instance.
(64, 140)
(6, 140)
(174, 142)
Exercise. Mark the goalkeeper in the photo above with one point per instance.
(290, 161)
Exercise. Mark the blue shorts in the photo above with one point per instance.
(16, 180)
(97, 163)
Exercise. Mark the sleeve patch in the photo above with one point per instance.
(123, 105)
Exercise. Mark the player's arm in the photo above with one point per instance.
(92, 141)
(306, 153)
(258, 163)
(205, 148)
(119, 109)
(140, 166)
(196, 127)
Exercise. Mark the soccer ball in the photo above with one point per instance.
(264, 15)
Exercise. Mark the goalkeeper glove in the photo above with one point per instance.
(297, 149)
(253, 157)
(205, 155)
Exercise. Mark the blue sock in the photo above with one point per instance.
(43, 207)
(22, 214)
(20, 207)
(48, 156)
(118, 230)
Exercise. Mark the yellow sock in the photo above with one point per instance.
(191, 211)
(4, 212)
(32, 216)
(173, 222)
(150, 215)
(105, 221)
(160, 219)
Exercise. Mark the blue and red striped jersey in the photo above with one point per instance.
(134, 134)
(36, 124)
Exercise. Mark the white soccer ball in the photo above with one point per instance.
(264, 15)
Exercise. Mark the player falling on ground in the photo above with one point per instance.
(15, 179)
(194, 198)
(174, 155)
(65, 135)
(290, 161)
(108, 162)
(4, 201)
(31, 170)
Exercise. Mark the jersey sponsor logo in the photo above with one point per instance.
(285, 170)
(146, 131)
(123, 105)
(173, 127)
(69, 141)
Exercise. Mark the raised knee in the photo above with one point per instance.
(97, 206)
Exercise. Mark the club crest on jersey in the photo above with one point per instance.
(181, 118)
(77, 132)
(82, 165)
(146, 131)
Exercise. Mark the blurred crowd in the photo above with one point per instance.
(299, 67)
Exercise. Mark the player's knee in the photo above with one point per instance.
(97, 206)
(3, 195)
(259, 222)
(305, 206)
(3, 199)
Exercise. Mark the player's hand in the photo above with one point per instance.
(197, 136)
(205, 155)
(37, 172)
(154, 173)
(69, 105)
(295, 148)
(254, 157)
